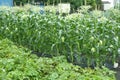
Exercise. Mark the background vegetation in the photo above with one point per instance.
(96, 4)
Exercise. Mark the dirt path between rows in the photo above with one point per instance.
(117, 74)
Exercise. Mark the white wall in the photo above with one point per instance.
(64, 7)
(108, 6)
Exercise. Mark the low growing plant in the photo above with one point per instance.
(16, 63)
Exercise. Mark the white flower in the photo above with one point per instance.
(93, 49)
(92, 38)
(3, 70)
(7, 28)
(111, 46)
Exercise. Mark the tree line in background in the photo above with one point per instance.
(96, 4)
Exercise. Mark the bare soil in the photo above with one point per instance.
(117, 75)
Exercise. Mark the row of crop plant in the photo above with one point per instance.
(94, 38)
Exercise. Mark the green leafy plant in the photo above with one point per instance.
(94, 37)
(16, 63)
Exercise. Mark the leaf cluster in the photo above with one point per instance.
(16, 63)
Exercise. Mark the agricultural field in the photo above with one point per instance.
(76, 46)
(17, 63)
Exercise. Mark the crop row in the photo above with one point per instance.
(16, 63)
(95, 38)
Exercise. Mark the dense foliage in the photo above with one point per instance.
(16, 63)
(96, 4)
(90, 35)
